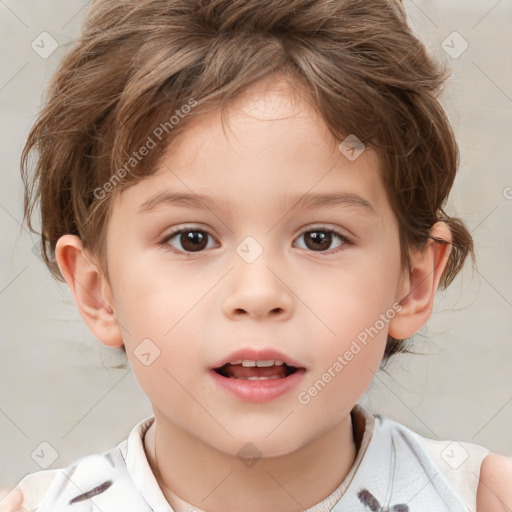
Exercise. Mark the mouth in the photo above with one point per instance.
(256, 370)
(257, 376)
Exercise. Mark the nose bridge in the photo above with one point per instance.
(257, 288)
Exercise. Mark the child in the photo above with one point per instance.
(301, 142)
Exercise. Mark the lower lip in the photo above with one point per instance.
(258, 391)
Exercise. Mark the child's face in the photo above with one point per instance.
(305, 296)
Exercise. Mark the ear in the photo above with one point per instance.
(416, 295)
(90, 290)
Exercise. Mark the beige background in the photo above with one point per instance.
(60, 386)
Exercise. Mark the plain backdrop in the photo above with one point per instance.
(62, 394)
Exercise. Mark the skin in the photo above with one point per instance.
(310, 304)
(494, 492)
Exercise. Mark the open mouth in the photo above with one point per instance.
(256, 370)
(258, 377)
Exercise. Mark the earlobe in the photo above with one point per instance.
(90, 290)
(427, 267)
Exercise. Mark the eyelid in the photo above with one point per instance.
(324, 227)
(179, 229)
(342, 232)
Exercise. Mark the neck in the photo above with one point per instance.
(210, 480)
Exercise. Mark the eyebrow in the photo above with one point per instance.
(308, 201)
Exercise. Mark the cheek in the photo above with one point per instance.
(354, 297)
(347, 354)
(168, 388)
(355, 306)
(156, 313)
(162, 344)
(148, 296)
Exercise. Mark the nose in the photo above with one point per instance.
(259, 291)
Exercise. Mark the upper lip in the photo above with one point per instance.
(257, 354)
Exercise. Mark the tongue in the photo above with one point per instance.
(238, 371)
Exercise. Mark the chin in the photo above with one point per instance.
(247, 449)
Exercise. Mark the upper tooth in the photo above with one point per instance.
(270, 362)
(265, 363)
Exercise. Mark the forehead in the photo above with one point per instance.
(263, 108)
(267, 135)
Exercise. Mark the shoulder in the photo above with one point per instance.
(456, 465)
(495, 486)
(104, 477)
(27, 494)
(58, 489)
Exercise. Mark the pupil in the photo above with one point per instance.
(191, 239)
(320, 237)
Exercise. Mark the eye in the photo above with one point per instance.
(190, 239)
(321, 239)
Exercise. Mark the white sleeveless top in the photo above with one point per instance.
(395, 470)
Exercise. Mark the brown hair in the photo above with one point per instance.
(138, 63)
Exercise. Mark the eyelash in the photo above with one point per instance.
(165, 241)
